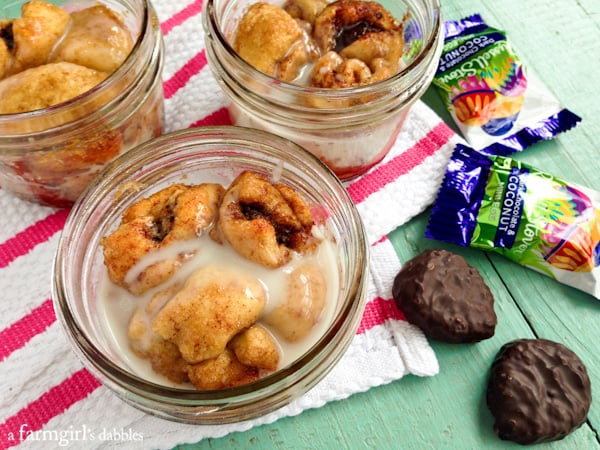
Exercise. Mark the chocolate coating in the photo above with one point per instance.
(446, 297)
(538, 391)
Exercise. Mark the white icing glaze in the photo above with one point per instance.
(116, 305)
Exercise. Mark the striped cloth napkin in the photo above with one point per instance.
(48, 399)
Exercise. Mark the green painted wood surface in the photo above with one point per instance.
(560, 40)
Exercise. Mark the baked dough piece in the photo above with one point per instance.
(97, 39)
(269, 39)
(361, 43)
(264, 222)
(47, 85)
(212, 307)
(176, 213)
(35, 33)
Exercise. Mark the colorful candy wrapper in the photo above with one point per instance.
(499, 106)
(534, 218)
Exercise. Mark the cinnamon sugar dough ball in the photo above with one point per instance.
(47, 85)
(213, 306)
(269, 39)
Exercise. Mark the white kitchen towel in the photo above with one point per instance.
(46, 394)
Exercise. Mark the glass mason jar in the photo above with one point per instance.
(193, 156)
(50, 155)
(350, 129)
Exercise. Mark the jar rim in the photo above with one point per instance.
(346, 317)
(123, 70)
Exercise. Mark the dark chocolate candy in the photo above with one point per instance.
(538, 391)
(444, 296)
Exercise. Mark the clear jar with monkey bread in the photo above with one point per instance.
(96, 322)
(53, 144)
(315, 72)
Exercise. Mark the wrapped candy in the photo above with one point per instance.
(534, 218)
(499, 106)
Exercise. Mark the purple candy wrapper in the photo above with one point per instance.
(533, 218)
(499, 106)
